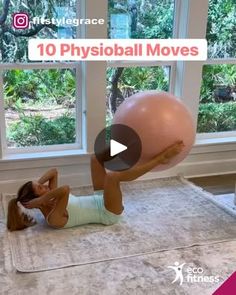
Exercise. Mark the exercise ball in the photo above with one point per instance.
(160, 119)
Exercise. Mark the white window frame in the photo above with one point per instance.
(44, 66)
(190, 22)
(148, 64)
(226, 136)
(91, 92)
(6, 151)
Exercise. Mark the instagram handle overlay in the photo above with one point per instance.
(20, 20)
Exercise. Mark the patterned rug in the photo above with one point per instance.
(160, 215)
(226, 202)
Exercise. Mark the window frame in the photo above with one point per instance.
(78, 145)
(193, 20)
(218, 137)
(190, 21)
(148, 64)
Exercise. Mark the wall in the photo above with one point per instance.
(208, 159)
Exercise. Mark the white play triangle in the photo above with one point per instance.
(116, 147)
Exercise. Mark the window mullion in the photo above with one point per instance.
(37, 66)
(220, 61)
(80, 11)
(127, 64)
(3, 143)
(78, 105)
(176, 28)
(193, 23)
(94, 74)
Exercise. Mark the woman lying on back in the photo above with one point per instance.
(62, 209)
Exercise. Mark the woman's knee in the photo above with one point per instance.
(113, 176)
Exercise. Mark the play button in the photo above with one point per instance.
(118, 147)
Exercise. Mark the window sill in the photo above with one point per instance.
(210, 141)
(43, 155)
(208, 145)
(202, 145)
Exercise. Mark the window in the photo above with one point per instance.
(74, 100)
(14, 42)
(124, 82)
(41, 101)
(217, 109)
(39, 107)
(141, 20)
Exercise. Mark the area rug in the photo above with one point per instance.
(226, 202)
(159, 215)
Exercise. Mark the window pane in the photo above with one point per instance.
(140, 19)
(123, 82)
(14, 41)
(217, 111)
(221, 29)
(39, 107)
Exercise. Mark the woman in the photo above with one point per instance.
(62, 210)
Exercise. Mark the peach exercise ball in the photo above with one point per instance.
(160, 119)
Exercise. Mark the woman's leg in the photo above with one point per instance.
(112, 192)
(98, 173)
(162, 158)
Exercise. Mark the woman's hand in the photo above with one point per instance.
(35, 203)
(38, 202)
(50, 176)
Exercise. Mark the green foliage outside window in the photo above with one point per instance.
(36, 130)
(39, 86)
(217, 117)
(149, 19)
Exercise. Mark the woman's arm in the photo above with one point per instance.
(56, 194)
(51, 176)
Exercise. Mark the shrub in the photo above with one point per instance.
(35, 130)
(217, 117)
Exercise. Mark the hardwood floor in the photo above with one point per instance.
(222, 184)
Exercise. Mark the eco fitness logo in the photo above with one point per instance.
(191, 274)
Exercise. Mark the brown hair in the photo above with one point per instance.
(17, 220)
